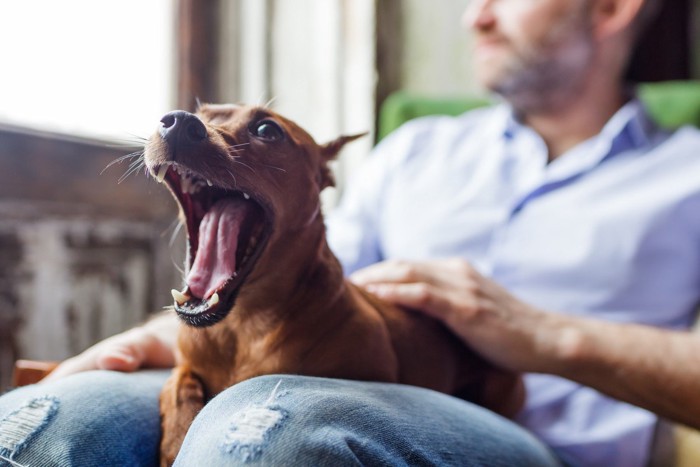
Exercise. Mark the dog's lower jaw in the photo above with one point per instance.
(207, 314)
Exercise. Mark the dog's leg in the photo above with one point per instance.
(502, 391)
(181, 399)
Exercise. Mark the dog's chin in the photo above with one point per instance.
(201, 314)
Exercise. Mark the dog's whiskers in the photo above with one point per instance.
(136, 138)
(238, 147)
(176, 231)
(245, 165)
(130, 141)
(175, 227)
(275, 168)
(135, 165)
(120, 159)
(177, 266)
(268, 104)
(235, 182)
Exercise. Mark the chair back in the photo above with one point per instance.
(670, 103)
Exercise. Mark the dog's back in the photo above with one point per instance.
(430, 356)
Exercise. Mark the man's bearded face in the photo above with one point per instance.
(532, 52)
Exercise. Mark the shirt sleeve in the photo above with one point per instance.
(354, 226)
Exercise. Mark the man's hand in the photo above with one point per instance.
(148, 346)
(488, 318)
(653, 368)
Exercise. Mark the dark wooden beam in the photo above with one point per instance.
(197, 52)
(389, 49)
(51, 174)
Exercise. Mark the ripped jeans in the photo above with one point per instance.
(111, 419)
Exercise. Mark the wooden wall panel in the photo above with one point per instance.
(82, 256)
(323, 72)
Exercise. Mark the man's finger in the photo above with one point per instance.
(390, 272)
(118, 361)
(419, 296)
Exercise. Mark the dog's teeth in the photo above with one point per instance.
(160, 176)
(246, 195)
(209, 182)
(179, 297)
(185, 185)
(213, 300)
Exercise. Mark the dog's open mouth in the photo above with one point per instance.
(226, 232)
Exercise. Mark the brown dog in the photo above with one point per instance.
(248, 181)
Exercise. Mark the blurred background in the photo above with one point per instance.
(82, 255)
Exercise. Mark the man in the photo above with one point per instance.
(568, 197)
(560, 216)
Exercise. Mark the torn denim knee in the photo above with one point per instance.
(251, 427)
(18, 427)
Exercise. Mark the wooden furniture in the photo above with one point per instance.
(31, 371)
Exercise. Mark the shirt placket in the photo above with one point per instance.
(524, 162)
(531, 177)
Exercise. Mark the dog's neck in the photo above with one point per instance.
(297, 274)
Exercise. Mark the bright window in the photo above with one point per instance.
(97, 68)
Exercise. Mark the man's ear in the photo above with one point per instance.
(610, 17)
(329, 152)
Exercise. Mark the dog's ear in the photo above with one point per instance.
(331, 149)
(329, 152)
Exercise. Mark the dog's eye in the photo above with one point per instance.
(268, 130)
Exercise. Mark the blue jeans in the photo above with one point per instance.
(106, 418)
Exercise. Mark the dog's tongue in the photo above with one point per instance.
(215, 262)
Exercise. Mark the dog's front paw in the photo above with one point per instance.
(181, 399)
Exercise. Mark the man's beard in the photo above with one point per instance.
(544, 77)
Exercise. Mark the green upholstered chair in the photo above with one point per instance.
(671, 104)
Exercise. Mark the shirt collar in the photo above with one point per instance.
(628, 129)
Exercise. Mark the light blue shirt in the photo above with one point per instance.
(610, 229)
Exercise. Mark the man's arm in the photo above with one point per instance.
(653, 368)
(656, 369)
(150, 345)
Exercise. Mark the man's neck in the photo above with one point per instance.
(575, 119)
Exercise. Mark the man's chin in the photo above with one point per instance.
(497, 71)
(495, 82)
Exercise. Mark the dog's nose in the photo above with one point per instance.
(182, 127)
